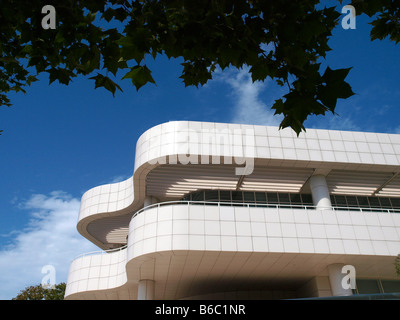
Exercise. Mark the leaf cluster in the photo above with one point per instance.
(284, 40)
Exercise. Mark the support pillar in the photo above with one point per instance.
(338, 288)
(146, 290)
(320, 192)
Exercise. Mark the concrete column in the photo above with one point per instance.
(146, 290)
(150, 200)
(335, 280)
(320, 192)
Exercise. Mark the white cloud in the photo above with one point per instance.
(334, 122)
(342, 123)
(253, 101)
(396, 130)
(50, 238)
(249, 107)
(119, 178)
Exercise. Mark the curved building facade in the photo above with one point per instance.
(232, 211)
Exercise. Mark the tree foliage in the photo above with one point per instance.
(284, 40)
(39, 292)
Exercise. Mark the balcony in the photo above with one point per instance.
(191, 248)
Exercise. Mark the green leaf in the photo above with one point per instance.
(139, 75)
(106, 82)
(31, 79)
(278, 106)
(337, 75)
(62, 75)
(261, 70)
(196, 73)
(135, 45)
(334, 80)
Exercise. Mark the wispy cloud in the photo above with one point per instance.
(333, 122)
(396, 130)
(119, 178)
(252, 103)
(249, 106)
(372, 108)
(49, 238)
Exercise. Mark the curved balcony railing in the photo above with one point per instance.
(264, 205)
(100, 252)
(239, 204)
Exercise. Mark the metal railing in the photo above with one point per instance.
(98, 252)
(265, 205)
(241, 204)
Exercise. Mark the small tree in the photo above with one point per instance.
(39, 292)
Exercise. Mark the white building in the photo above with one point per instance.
(240, 211)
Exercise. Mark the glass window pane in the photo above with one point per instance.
(261, 197)
(341, 201)
(363, 201)
(374, 202)
(237, 196)
(385, 202)
(295, 199)
(307, 199)
(248, 196)
(283, 198)
(352, 201)
(390, 286)
(272, 197)
(211, 195)
(333, 200)
(367, 286)
(225, 195)
(198, 196)
(395, 202)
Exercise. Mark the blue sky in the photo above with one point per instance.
(60, 141)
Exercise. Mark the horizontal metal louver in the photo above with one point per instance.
(356, 182)
(391, 189)
(276, 179)
(175, 181)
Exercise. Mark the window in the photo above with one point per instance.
(367, 286)
(385, 203)
(237, 196)
(272, 198)
(225, 195)
(261, 197)
(341, 201)
(307, 199)
(370, 286)
(211, 195)
(283, 198)
(198, 196)
(363, 202)
(373, 202)
(390, 286)
(248, 196)
(352, 201)
(395, 202)
(295, 199)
